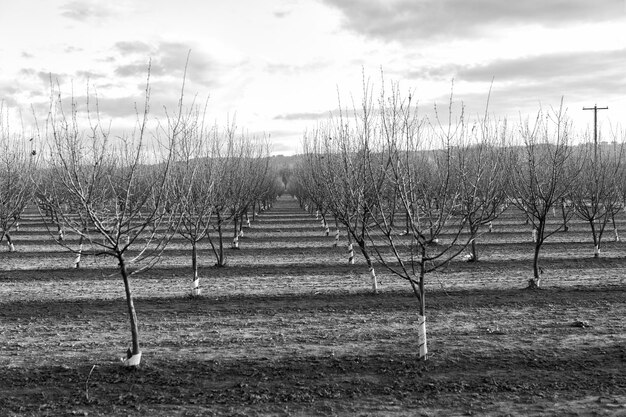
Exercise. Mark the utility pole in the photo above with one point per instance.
(595, 109)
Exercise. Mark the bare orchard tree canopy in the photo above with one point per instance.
(423, 191)
(110, 191)
(18, 161)
(412, 191)
(542, 173)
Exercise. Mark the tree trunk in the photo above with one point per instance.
(133, 356)
(474, 253)
(220, 235)
(370, 265)
(536, 280)
(350, 250)
(563, 205)
(235, 244)
(195, 285)
(80, 252)
(422, 344)
(9, 242)
(596, 240)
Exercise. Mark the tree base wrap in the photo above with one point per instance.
(317, 215)
(134, 360)
(77, 260)
(195, 287)
(327, 231)
(534, 235)
(241, 233)
(11, 247)
(616, 235)
(247, 222)
(350, 254)
(421, 337)
(374, 281)
(235, 243)
(596, 251)
(195, 283)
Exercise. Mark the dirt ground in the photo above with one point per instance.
(289, 328)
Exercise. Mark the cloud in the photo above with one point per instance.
(303, 116)
(71, 49)
(46, 77)
(281, 14)
(135, 47)
(82, 10)
(167, 59)
(7, 89)
(511, 99)
(7, 94)
(89, 75)
(527, 80)
(291, 69)
(201, 68)
(550, 66)
(139, 68)
(432, 19)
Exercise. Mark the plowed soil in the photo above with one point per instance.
(288, 327)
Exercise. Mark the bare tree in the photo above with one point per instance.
(17, 165)
(481, 174)
(193, 179)
(543, 172)
(437, 189)
(596, 196)
(337, 177)
(117, 185)
(237, 158)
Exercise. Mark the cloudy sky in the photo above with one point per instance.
(277, 66)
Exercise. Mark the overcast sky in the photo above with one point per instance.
(276, 66)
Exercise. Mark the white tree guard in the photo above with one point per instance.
(236, 242)
(327, 231)
(11, 247)
(616, 235)
(61, 234)
(317, 214)
(134, 360)
(421, 336)
(195, 287)
(247, 222)
(374, 280)
(596, 250)
(350, 254)
(534, 235)
(490, 227)
(77, 260)
(241, 233)
(336, 238)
